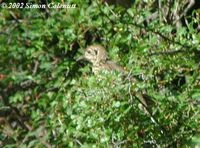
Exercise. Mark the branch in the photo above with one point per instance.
(162, 36)
(143, 103)
(170, 52)
(190, 5)
(148, 30)
(35, 67)
(15, 17)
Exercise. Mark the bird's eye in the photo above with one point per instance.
(96, 52)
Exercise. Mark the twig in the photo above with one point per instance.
(4, 33)
(151, 17)
(143, 105)
(35, 67)
(118, 143)
(161, 35)
(175, 15)
(151, 30)
(77, 141)
(170, 52)
(191, 3)
(159, 10)
(15, 17)
(129, 86)
(111, 10)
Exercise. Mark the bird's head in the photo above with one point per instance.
(95, 54)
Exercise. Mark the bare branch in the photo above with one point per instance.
(189, 6)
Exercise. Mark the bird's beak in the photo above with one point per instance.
(81, 58)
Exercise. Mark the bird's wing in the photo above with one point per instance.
(114, 66)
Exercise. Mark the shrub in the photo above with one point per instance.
(47, 98)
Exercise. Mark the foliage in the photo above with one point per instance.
(47, 98)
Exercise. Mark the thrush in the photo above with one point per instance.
(97, 55)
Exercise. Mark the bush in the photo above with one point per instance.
(47, 98)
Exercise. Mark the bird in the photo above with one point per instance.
(98, 56)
